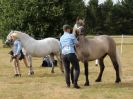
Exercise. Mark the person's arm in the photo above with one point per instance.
(18, 48)
(75, 41)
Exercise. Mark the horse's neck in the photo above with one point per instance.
(83, 41)
(26, 36)
(82, 38)
(26, 39)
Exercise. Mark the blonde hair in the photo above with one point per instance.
(14, 35)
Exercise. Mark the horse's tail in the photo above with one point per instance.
(118, 60)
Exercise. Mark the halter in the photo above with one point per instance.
(81, 30)
(9, 41)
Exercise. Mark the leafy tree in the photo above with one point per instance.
(105, 21)
(110, 18)
(127, 15)
(91, 15)
(39, 18)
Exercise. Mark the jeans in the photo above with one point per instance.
(67, 59)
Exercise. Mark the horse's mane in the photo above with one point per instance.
(24, 33)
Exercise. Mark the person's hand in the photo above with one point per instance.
(77, 45)
(15, 56)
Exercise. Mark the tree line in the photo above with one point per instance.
(44, 18)
(109, 18)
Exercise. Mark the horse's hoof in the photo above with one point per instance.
(118, 81)
(31, 73)
(52, 71)
(86, 84)
(96, 64)
(17, 75)
(63, 71)
(98, 80)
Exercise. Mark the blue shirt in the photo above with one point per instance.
(67, 43)
(17, 46)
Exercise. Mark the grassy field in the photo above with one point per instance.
(44, 85)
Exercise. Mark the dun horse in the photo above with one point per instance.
(97, 48)
(38, 48)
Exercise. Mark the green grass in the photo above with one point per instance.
(44, 85)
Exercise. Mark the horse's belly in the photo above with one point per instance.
(90, 55)
(39, 53)
(44, 53)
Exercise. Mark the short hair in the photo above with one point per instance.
(66, 26)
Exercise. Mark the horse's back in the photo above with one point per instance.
(50, 43)
(106, 41)
(98, 46)
(51, 40)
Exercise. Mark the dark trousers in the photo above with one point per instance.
(67, 59)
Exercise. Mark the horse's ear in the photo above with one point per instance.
(11, 30)
(77, 18)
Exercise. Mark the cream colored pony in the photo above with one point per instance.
(38, 48)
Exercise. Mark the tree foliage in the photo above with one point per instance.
(39, 18)
(45, 18)
(110, 18)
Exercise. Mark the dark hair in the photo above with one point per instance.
(66, 26)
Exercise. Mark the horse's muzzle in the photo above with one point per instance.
(8, 42)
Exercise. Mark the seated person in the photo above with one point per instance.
(47, 63)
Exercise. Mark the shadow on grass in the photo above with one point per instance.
(112, 85)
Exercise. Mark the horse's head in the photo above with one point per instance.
(79, 28)
(9, 38)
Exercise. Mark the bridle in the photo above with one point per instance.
(79, 31)
(9, 40)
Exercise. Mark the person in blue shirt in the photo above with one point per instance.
(68, 42)
(17, 55)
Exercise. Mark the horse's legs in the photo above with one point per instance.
(51, 61)
(31, 72)
(102, 66)
(25, 61)
(59, 58)
(116, 67)
(86, 73)
(101, 63)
